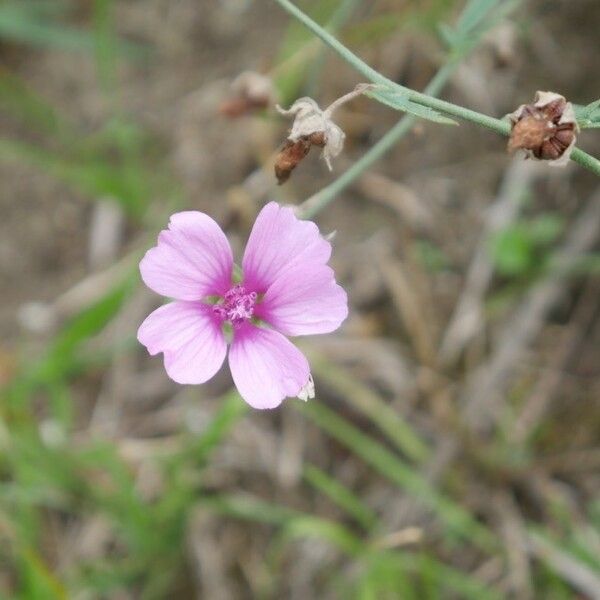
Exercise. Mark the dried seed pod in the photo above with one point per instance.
(250, 92)
(289, 157)
(313, 127)
(545, 130)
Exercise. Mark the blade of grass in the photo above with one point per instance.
(457, 519)
(360, 397)
(342, 496)
(91, 175)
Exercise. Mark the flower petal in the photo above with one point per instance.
(278, 241)
(304, 300)
(190, 336)
(266, 367)
(192, 259)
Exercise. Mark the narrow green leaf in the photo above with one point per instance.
(38, 581)
(341, 495)
(249, 508)
(398, 101)
(474, 13)
(446, 578)
(337, 535)
(231, 410)
(392, 467)
(93, 175)
(365, 400)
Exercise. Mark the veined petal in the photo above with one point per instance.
(192, 259)
(304, 300)
(266, 367)
(278, 241)
(190, 336)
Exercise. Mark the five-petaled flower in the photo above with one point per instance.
(286, 289)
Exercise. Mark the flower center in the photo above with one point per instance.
(236, 306)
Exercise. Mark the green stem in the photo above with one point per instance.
(425, 99)
(586, 160)
(332, 42)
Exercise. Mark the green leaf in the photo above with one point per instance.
(478, 17)
(384, 577)
(585, 112)
(474, 14)
(545, 229)
(520, 248)
(63, 355)
(449, 578)
(249, 508)
(232, 409)
(398, 101)
(512, 251)
(588, 117)
(38, 581)
(337, 535)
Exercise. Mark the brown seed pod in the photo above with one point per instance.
(545, 130)
(290, 157)
(238, 107)
(250, 92)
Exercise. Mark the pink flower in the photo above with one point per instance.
(287, 289)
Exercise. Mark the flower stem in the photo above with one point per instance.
(426, 99)
(586, 160)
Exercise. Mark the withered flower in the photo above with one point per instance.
(250, 91)
(290, 156)
(546, 130)
(312, 127)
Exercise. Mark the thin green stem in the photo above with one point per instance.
(586, 160)
(332, 42)
(342, 14)
(424, 98)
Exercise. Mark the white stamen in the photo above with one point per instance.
(308, 390)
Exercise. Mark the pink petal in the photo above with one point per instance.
(304, 300)
(278, 241)
(192, 259)
(266, 367)
(190, 336)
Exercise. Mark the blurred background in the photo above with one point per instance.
(452, 450)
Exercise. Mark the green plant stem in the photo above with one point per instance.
(591, 163)
(497, 125)
(341, 15)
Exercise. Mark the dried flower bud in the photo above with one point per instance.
(289, 157)
(546, 129)
(250, 92)
(312, 127)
